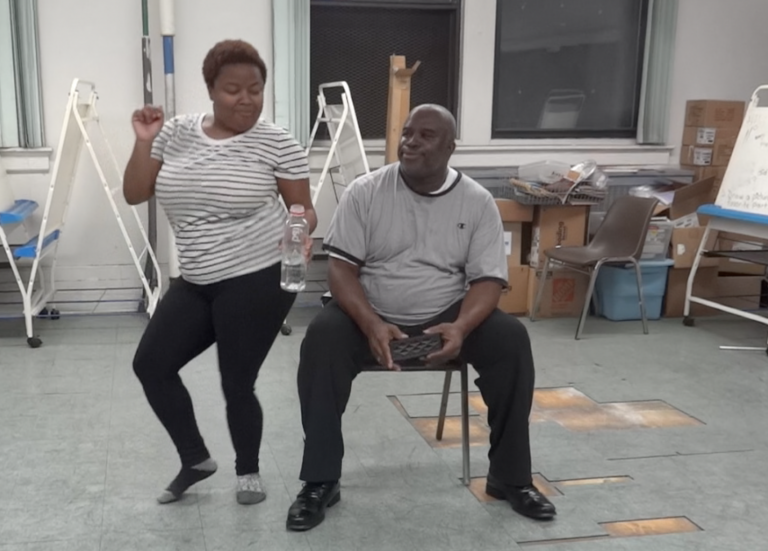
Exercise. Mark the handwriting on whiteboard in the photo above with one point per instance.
(745, 184)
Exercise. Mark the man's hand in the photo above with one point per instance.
(379, 338)
(453, 339)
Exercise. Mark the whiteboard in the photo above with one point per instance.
(745, 184)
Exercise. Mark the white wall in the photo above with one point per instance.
(100, 41)
(720, 54)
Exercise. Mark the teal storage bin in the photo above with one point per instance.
(616, 290)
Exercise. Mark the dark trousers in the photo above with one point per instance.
(243, 316)
(334, 349)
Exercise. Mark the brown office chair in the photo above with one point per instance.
(619, 240)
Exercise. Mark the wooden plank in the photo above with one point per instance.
(399, 103)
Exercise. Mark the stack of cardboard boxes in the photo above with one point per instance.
(711, 130)
(709, 138)
(528, 232)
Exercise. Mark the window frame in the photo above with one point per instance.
(454, 56)
(26, 78)
(9, 127)
(572, 133)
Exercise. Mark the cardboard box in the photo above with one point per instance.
(735, 242)
(709, 136)
(515, 299)
(703, 172)
(706, 155)
(564, 293)
(714, 113)
(687, 199)
(717, 172)
(512, 211)
(686, 232)
(513, 243)
(685, 245)
(557, 226)
(739, 291)
(705, 286)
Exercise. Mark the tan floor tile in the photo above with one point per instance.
(650, 414)
(575, 411)
(560, 398)
(561, 540)
(477, 487)
(545, 486)
(588, 418)
(427, 427)
(650, 527)
(591, 481)
(477, 403)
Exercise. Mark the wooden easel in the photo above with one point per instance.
(399, 103)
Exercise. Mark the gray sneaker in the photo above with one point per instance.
(250, 489)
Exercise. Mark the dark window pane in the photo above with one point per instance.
(568, 67)
(354, 43)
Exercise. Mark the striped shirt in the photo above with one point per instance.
(221, 196)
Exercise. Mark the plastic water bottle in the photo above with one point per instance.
(293, 273)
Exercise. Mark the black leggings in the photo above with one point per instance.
(243, 316)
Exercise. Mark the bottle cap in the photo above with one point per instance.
(297, 209)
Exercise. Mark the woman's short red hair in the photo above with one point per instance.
(229, 52)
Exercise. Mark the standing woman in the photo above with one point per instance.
(219, 178)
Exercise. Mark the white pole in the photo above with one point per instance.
(168, 30)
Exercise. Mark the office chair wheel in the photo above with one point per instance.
(286, 329)
(34, 342)
(55, 314)
(688, 321)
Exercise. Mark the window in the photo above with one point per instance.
(8, 118)
(568, 68)
(352, 41)
(21, 121)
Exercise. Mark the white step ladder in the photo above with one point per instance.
(346, 158)
(81, 127)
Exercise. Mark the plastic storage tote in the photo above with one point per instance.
(616, 290)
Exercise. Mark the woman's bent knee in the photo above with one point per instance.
(142, 364)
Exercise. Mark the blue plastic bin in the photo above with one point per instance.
(616, 290)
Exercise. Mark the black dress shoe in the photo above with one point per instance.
(525, 500)
(309, 508)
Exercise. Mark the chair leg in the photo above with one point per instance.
(540, 290)
(588, 299)
(640, 296)
(443, 405)
(465, 424)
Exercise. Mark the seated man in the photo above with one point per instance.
(416, 247)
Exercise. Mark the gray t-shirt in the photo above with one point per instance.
(417, 253)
